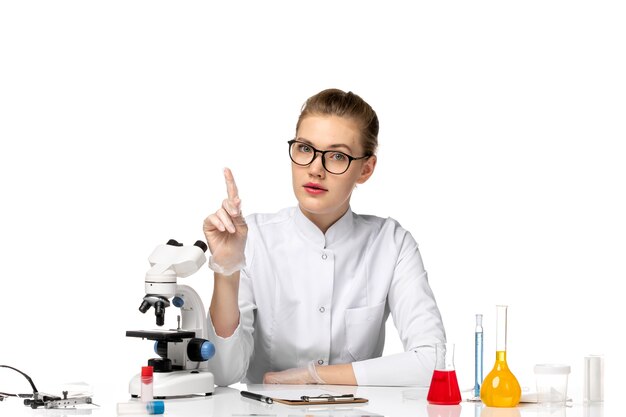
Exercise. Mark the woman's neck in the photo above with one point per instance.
(324, 221)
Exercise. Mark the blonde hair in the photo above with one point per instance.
(335, 102)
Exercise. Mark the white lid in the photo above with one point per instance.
(551, 368)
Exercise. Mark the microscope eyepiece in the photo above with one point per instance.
(201, 245)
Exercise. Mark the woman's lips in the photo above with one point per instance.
(313, 188)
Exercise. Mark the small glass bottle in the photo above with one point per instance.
(147, 393)
(500, 387)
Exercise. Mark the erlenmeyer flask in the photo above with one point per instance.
(444, 387)
(500, 387)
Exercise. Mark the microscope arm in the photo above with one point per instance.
(193, 314)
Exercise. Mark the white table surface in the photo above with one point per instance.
(387, 401)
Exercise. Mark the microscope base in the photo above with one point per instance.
(176, 384)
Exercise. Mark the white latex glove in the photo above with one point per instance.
(296, 376)
(226, 232)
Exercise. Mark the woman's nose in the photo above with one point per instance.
(316, 167)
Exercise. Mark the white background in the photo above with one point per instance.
(500, 150)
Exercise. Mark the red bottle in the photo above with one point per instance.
(147, 393)
(444, 387)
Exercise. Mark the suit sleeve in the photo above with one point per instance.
(417, 319)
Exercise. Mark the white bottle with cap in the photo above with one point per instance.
(593, 390)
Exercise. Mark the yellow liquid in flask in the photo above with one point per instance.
(500, 387)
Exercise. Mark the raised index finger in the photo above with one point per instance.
(231, 187)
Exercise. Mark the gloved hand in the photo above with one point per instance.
(298, 376)
(226, 232)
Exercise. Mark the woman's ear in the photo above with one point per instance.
(367, 169)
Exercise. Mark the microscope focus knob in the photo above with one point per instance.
(200, 350)
(178, 301)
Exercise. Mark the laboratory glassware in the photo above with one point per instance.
(551, 383)
(478, 355)
(500, 387)
(444, 386)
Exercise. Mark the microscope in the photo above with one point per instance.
(181, 368)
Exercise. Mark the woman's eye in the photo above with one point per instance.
(304, 148)
(338, 156)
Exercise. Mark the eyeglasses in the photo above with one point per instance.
(334, 162)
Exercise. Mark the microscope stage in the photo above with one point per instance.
(162, 335)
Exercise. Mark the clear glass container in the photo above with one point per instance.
(500, 387)
(478, 355)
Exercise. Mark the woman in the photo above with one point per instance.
(301, 296)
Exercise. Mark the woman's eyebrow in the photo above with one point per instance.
(334, 146)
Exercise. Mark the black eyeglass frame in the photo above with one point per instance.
(323, 153)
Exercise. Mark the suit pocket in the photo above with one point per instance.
(363, 326)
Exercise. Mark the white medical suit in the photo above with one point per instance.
(308, 296)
